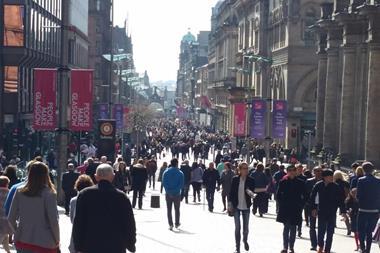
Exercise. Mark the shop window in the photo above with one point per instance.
(10, 79)
(14, 25)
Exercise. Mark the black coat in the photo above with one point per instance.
(68, 182)
(234, 192)
(104, 221)
(186, 170)
(211, 178)
(292, 196)
(139, 176)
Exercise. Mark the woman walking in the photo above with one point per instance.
(196, 180)
(260, 203)
(122, 180)
(162, 170)
(242, 189)
(34, 213)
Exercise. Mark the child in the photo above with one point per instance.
(352, 206)
(5, 229)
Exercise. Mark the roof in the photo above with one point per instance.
(189, 38)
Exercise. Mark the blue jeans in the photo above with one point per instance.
(245, 215)
(176, 200)
(326, 226)
(210, 192)
(366, 225)
(289, 235)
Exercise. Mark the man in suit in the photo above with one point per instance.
(104, 220)
(68, 182)
(368, 195)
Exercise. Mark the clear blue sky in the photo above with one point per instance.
(157, 27)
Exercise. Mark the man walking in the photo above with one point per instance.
(317, 171)
(104, 220)
(368, 192)
(330, 197)
(211, 179)
(186, 170)
(291, 196)
(173, 181)
(68, 182)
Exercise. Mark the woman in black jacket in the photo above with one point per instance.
(122, 179)
(291, 196)
(241, 192)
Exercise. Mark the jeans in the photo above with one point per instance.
(326, 226)
(185, 192)
(68, 197)
(366, 225)
(197, 190)
(141, 194)
(152, 178)
(210, 192)
(289, 235)
(313, 232)
(260, 203)
(176, 200)
(245, 215)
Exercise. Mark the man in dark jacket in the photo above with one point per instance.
(211, 179)
(186, 170)
(317, 171)
(151, 167)
(68, 182)
(128, 155)
(368, 194)
(291, 196)
(330, 197)
(104, 220)
(139, 177)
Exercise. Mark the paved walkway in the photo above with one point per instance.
(204, 232)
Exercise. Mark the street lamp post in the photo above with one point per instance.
(63, 101)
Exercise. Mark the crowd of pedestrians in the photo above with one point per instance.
(97, 195)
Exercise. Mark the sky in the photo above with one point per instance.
(157, 27)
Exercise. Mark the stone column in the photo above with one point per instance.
(372, 140)
(330, 127)
(321, 86)
(353, 36)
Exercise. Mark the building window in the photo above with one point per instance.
(98, 3)
(309, 20)
(98, 70)
(14, 25)
(10, 79)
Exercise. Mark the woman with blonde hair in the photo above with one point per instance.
(340, 179)
(34, 214)
(359, 172)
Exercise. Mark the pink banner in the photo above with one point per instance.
(81, 100)
(239, 119)
(45, 99)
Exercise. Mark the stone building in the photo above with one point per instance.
(275, 58)
(99, 34)
(348, 106)
(222, 61)
(193, 54)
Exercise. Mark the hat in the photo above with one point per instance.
(327, 173)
